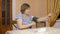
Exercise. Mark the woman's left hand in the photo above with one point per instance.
(49, 15)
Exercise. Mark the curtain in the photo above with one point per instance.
(53, 7)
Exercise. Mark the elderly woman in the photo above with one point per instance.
(24, 19)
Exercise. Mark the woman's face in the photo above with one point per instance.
(27, 11)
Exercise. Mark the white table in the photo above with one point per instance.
(49, 30)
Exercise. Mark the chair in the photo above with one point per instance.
(14, 27)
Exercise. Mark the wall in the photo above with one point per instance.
(38, 7)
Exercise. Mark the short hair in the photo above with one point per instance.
(24, 7)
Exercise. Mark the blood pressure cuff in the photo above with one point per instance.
(35, 19)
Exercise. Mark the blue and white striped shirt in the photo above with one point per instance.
(24, 21)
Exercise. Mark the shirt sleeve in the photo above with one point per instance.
(18, 16)
(30, 16)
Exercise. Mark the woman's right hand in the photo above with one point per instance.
(33, 23)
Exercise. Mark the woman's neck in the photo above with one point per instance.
(25, 14)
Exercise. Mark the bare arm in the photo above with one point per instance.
(21, 26)
(33, 26)
(45, 18)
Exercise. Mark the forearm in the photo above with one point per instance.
(43, 18)
(25, 26)
(33, 26)
(46, 17)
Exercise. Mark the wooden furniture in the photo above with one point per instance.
(41, 24)
(48, 30)
(5, 15)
